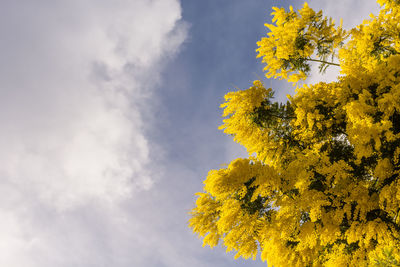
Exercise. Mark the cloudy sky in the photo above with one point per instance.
(109, 116)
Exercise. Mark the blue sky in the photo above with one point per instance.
(109, 123)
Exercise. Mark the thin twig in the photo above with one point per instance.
(323, 61)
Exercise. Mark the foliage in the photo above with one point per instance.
(386, 259)
(294, 39)
(321, 185)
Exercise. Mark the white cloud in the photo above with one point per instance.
(70, 94)
(352, 12)
(76, 77)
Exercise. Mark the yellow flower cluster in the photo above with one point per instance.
(321, 186)
(294, 39)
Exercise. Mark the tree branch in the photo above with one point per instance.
(323, 61)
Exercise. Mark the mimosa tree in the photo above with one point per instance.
(321, 184)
